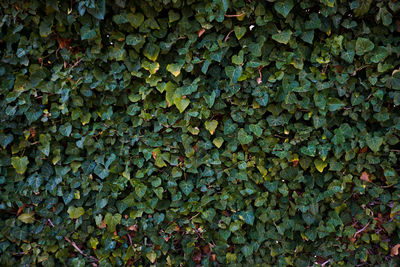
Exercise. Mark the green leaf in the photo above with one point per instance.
(334, 104)
(151, 256)
(363, 45)
(211, 126)
(151, 51)
(65, 129)
(27, 217)
(233, 73)
(238, 59)
(134, 39)
(239, 31)
(282, 37)
(244, 138)
(174, 68)
(247, 217)
(329, 3)
(348, 56)
(284, 7)
(247, 250)
(256, 129)
(186, 187)
(140, 189)
(363, 8)
(218, 142)
(181, 102)
(374, 143)
(87, 33)
(99, 10)
(135, 19)
(45, 28)
(308, 36)
(20, 164)
(75, 213)
(112, 221)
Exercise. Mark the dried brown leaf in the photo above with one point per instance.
(395, 250)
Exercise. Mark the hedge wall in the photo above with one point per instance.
(188, 133)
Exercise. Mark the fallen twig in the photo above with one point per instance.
(361, 230)
(234, 16)
(50, 222)
(227, 36)
(80, 251)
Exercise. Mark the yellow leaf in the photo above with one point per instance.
(320, 165)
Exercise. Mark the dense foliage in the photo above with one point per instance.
(210, 133)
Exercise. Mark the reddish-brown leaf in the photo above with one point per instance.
(197, 257)
(102, 225)
(226, 213)
(32, 132)
(365, 177)
(20, 209)
(133, 228)
(213, 257)
(363, 150)
(295, 162)
(395, 250)
(200, 32)
(206, 249)
(63, 43)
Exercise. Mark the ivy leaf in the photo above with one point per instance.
(247, 216)
(284, 7)
(363, 45)
(282, 37)
(244, 138)
(159, 161)
(75, 213)
(140, 189)
(112, 221)
(218, 142)
(334, 104)
(348, 56)
(256, 129)
(211, 126)
(233, 73)
(186, 187)
(99, 10)
(151, 51)
(374, 143)
(181, 102)
(28, 217)
(239, 31)
(20, 164)
(135, 19)
(45, 28)
(151, 256)
(174, 68)
(87, 33)
(65, 129)
(363, 8)
(320, 165)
